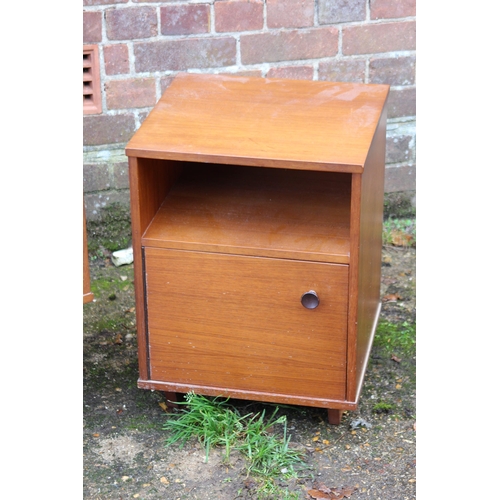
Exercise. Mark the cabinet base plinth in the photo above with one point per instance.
(172, 400)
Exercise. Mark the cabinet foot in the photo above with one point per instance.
(172, 398)
(335, 416)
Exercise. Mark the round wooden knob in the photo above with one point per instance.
(310, 300)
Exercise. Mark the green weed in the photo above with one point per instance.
(383, 407)
(270, 490)
(215, 423)
(267, 454)
(107, 286)
(396, 338)
(211, 421)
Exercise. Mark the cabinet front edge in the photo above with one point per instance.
(247, 395)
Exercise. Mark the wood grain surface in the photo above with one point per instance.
(262, 122)
(238, 322)
(254, 211)
(149, 181)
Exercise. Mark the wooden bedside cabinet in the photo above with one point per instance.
(257, 230)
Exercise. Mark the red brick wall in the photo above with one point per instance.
(143, 44)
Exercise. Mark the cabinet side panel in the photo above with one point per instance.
(370, 250)
(352, 322)
(150, 181)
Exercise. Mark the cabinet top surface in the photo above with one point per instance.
(262, 122)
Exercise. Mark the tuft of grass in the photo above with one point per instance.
(267, 454)
(383, 407)
(211, 421)
(400, 232)
(215, 423)
(396, 338)
(270, 490)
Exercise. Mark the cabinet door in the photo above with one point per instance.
(237, 322)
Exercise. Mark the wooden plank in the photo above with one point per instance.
(370, 252)
(262, 122)
(286, 399)
(352, 323)
(149, 182)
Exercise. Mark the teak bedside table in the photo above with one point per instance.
(257, 231)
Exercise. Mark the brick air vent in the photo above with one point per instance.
(91, 81)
